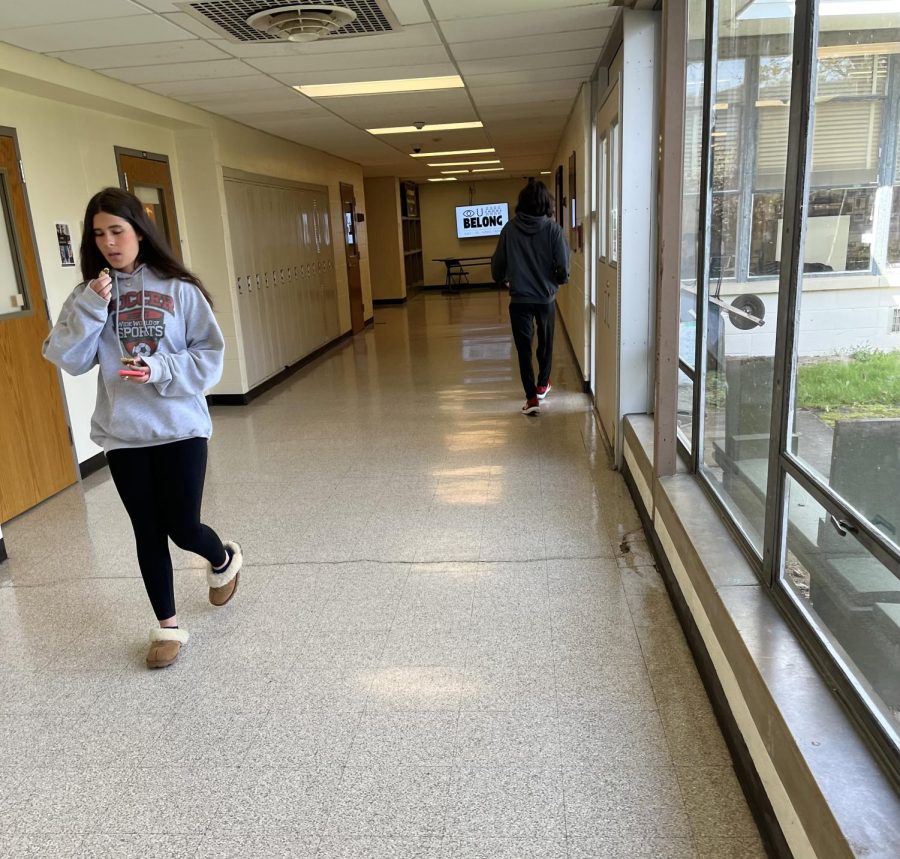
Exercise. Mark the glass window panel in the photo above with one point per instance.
(604, 166)
(691, 166)
(740, 350)
(614, 192)
(13, 295)
(893, 249)
(846, 425)
(849, 596)
(685, 419)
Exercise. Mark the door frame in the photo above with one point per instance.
(358, 319)
(41, 287)
(173, 240)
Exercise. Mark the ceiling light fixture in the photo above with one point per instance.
(453, 152)
(463, 163)
(301, 23)
(427, 127)
(488, 170)
(455, 171)
(546, 172)
(381, 87)
(442, 179)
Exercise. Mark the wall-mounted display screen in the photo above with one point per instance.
(485, 220)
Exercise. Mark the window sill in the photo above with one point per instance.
(815, 785)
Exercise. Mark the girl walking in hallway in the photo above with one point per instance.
(532, 256)
(148, 322)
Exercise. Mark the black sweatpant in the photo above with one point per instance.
(162, 489)
(522, 317)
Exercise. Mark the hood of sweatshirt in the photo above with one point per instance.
(529, 224)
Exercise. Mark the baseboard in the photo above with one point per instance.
(748, 777)
(369, 321)
(585, 385)
(462, 287)
(94, 464)
(3, 555)
(379, 301)
(271, 382)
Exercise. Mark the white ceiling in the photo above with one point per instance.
(522, 61)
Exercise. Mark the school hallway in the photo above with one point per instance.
(449, 640)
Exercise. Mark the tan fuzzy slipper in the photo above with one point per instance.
(165, 645)
(222, 586)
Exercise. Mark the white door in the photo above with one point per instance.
(606, 352)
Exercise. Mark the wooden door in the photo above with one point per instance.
(348, 218)
(36, 459)
(147, 176)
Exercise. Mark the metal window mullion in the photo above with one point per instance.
(710, 74)
(863, 531)
(803, 87)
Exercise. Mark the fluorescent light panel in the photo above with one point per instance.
(453, 152)
(438, 126)
(454, 171)
(463, 163)
(381, 87)
(488, 170)
(442, 179)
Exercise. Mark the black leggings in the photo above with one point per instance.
(162, 489)
(522, 317)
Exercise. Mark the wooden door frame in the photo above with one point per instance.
(41, 286)
(347, 187)
(174, 240)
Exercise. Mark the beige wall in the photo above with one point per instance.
(69, 119)
(573, 300)
(385, 237)
(438, 202)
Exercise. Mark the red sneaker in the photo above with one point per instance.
(543, 390)
(531, 407)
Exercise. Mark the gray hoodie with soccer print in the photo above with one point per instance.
(166, 323)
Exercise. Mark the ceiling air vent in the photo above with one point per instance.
(302, 23)
(232, 18)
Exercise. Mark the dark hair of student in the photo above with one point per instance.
(154, 251)
(535, 199)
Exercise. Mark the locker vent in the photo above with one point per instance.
(229, 17)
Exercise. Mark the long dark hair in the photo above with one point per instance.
(153, 250)
(535, 199)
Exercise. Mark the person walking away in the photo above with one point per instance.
(533, 258)
(148, 323)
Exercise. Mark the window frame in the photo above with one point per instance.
(783, 465)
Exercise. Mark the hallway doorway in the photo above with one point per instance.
(354, 282)
(35, 446)
(605, 315)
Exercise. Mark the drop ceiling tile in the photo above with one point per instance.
(537, 23)
(177, 89)
(192, 25)
(161, 5)
(526, 45)
(554, 59)
(439, 141)
(502, 95)
(209, 70)
(244, 103)
(48, 12)
(359, 60)
(102, 34)
(449, 10)
(528, 110)
(410, 12)
(141, 55)
(533, 76)
(404, 108)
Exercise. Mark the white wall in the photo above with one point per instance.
(69, 119)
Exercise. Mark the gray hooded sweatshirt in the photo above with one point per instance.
(528, 250)
(171, 327)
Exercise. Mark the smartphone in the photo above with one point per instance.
(132, 372)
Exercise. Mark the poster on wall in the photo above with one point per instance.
(487, 220)
(64, 240)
